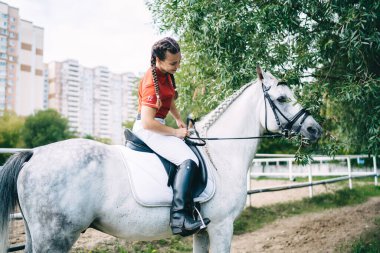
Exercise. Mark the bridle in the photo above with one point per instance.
(286, 131)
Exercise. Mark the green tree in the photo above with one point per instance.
(329, 51)
(10, 133)
(44, 127)
(128, 124)
(10, 130)
(102, 140)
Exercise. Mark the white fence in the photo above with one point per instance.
(269, 165)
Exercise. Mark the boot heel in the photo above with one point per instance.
(177, 231)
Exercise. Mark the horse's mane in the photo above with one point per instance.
(213, 116)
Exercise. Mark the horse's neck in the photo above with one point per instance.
(241, 119)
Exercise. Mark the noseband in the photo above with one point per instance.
(287, 129)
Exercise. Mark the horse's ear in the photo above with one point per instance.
(259, 72)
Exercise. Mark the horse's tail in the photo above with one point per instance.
(8, 192)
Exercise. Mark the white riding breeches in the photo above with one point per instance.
(171, 148)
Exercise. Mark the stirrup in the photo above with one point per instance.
(200, 217)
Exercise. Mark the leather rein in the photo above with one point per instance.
(286, 131)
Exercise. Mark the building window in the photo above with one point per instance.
(39, 72)
(13, 19)
(39, 51)
(3, 56)
(26, 46)
(26, 68)
(12, 35)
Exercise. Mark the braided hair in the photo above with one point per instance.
(159, 50)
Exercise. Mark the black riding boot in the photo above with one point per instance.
(181, 219)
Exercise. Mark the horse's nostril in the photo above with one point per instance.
(312, 130)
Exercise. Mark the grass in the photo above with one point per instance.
(368, 242)
(253, 219)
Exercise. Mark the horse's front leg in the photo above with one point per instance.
(220, 236)
(200, 242)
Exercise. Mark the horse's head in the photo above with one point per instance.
(281, 112)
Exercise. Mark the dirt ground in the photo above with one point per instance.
(317, 232)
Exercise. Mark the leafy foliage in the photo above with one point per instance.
(10, 133)
(10, 130)
(329, 51)
(102, 140)
(45, 127)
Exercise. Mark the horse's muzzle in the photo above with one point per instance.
(313, 132)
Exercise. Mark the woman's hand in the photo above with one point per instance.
(180, 133)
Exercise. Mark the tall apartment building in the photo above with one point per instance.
(116, 116)
(21, 63)
(92, 99)
(103, 103)
(130, 92)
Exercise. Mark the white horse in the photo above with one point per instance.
(66, 187)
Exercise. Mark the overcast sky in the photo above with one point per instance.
(117, 34)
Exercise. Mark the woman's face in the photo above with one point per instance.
(170, 64)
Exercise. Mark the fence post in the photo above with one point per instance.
(248, 202)
(310, 182)
(349, 172)
(375, 169)
(290, 164)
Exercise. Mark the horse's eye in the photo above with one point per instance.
(283, 99)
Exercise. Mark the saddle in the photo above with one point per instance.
(200, 178)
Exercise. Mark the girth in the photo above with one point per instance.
(200, 178)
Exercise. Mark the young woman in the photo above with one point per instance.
(156, 99)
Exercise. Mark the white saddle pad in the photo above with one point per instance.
(148, 179)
